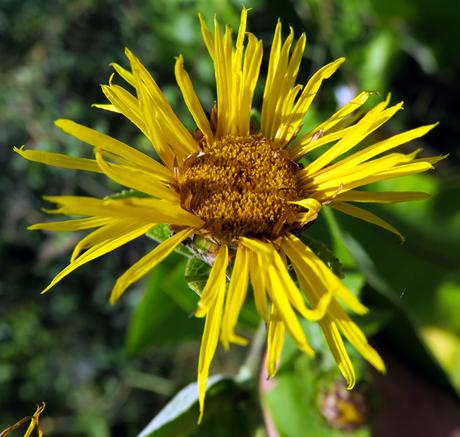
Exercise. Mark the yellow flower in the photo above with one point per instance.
(242, 188)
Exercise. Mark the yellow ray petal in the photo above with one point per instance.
(339, 351)
(317, 141)
(328, 194)
(125, 74)
(279, 288)
(292, 122)
(137, 179)
(213, 323)
(400, 170)
(149, 115)
(338, 117)
(356, 337)
(305, 143)
(296, 250)
(59, 160)
(287, 101)
(115, 147)
(267, 105)
(236, 295)
(317, 290)
(335, 318)
(431, 159)
(162, 106)
(291, 290)
(160, 136)
(245, 71)
(273, 96)
(294, 62)
(126, 104)
(97, 251)
(216, 276)
(191, 99)
(224, 81)
(106, 107)
(207, 36)
(366, 216)
(275, 341)
(71, 225)
(280, 87)
(368, 124)
(388, 144)
(276, 291)
(160, 130)
(383, 146)
(145, 210)
(111, 230)
(320, 305)
(313, 207)
(250, 75)
(258, 247)
(380, 197)
(258, 285)
(344, 176)
(238, 58)
(147, 263)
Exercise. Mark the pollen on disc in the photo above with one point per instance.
(240, 186)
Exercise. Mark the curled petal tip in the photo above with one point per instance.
(201, 311)
(350, 385)
(308, 350)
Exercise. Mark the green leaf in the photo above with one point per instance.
(163, 314)
(293, 399)
(176, 410)
(196, 274)
(403, 336)
(378, 61)
(401, 332)
(448, 304)
(229, 411)
(161, 233)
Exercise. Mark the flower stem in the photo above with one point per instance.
(253, 361)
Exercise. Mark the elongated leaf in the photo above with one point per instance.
(230, 411)
(180, 404)
(401, 332)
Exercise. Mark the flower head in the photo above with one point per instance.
(242, 188)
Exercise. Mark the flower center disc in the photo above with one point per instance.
(240, 186)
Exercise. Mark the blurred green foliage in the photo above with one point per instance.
(107, 370)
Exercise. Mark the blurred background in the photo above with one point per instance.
(108, 370)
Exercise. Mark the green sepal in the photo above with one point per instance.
(161, 233)
(196, 274)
